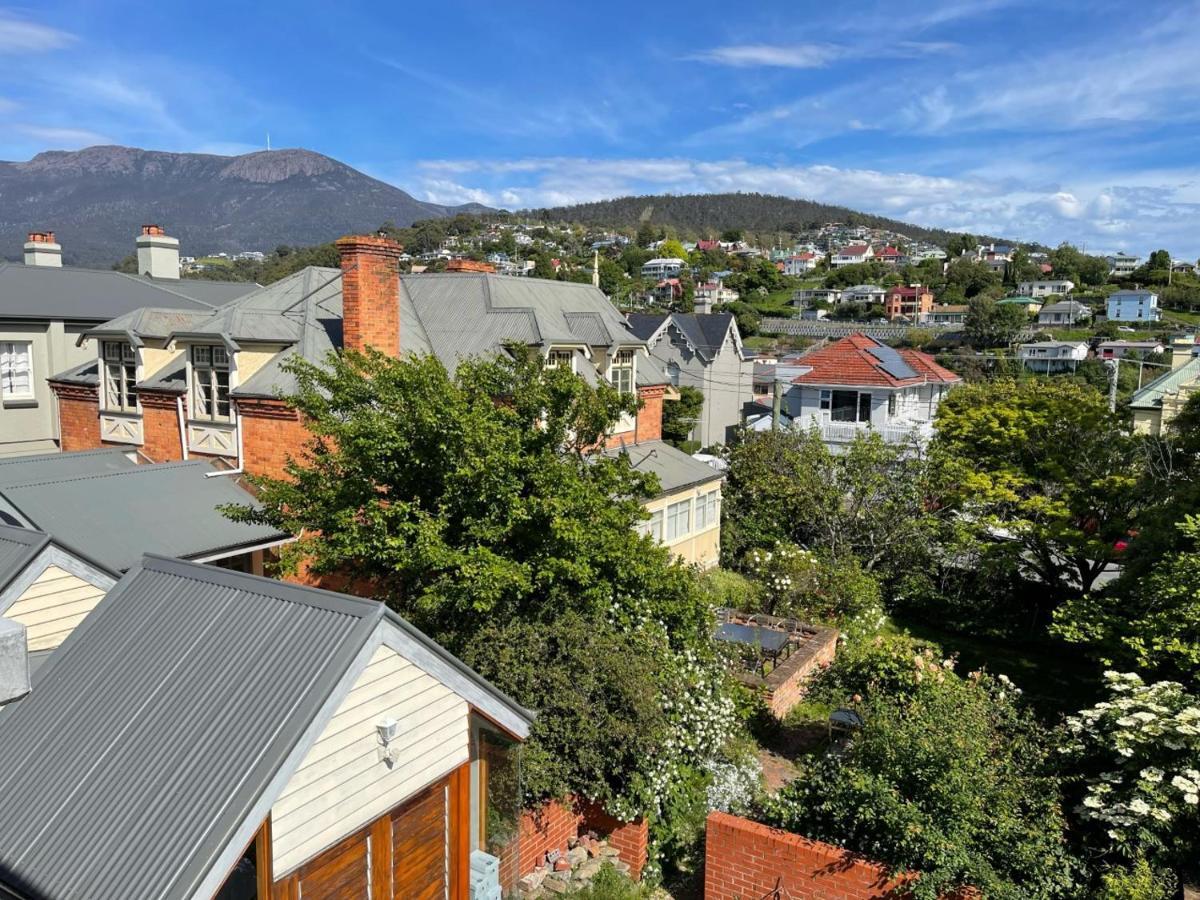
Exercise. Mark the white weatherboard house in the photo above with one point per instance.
(207, 733)
(1052, 356)
(1045, 288)
(859, 383)
(668, 267)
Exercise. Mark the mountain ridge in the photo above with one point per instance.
(96, 199)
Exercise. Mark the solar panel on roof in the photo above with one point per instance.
(892, 362)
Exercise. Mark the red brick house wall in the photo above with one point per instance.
(78, 416)
(161, 441)
(649, 416)
(271, 431)
(744, 860)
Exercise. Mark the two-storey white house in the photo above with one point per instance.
(1121, 265)
(852, 254)
(1046, 288)
(859, 383)
(1134, 306)
(662, 267)
(1052, 356)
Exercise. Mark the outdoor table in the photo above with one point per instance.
(769, 641)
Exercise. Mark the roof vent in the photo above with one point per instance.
(14, 661)
(41, 249)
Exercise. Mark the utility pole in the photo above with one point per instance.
(776, 403)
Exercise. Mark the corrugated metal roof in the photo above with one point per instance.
(1150, 396)
(155, 727)
(52, 466)
(674, 468)
(112, 514)
(153, 732)
(97, 295)
(18, 547)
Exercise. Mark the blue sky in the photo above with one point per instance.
(1038, 121)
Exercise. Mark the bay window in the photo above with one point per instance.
(210, 383)
(16, 370)
(120, 376)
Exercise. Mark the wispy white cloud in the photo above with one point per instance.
(816, 56)
(62, 138)
(22, 36)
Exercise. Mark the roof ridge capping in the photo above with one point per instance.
(286, 591)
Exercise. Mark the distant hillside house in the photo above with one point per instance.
(808, 296)
(1122, 265)
(907, 301)
(46, 310)
(866, 294)
(704, 352)
(800, 263)
(860, 383)
(1031, 305)
(995, 256)
(853, 254)
(1064, 312)
(662, 267)
(1122, 349)
(1051, 357)
(890, 256)
(1046, 288)
(946, 314)
(1133, 306)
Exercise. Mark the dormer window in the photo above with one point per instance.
(120, 376)
(561, 358)
(210, 383)
(620, 372)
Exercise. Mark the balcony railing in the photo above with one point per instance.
(895, 432)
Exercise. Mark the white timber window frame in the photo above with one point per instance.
(16, 370)
(560, 359)
(119, 367)
(654, 525)
(621, 371)
(211, 372)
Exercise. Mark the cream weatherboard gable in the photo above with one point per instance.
(52, 594)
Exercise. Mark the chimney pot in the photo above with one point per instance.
(370, 293)
(41, 249)
(157, 254)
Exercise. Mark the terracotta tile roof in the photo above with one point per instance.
(850, 362)
(854, 250)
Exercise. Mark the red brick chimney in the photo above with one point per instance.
(370, 293)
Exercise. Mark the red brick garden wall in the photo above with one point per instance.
(551, 825)
(744, 860)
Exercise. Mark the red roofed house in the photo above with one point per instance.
(852, 254)
(909, 301)
(708, 245)
(858, 383)
(889, 256)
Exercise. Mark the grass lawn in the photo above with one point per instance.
(1055, 677)
(1183, 316)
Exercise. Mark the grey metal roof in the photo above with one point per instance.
(18, 547)
(1071, 306)
(155, 727)
(53, 466)
(674, 468)
(112, 514)
(135, 758)
(1150, 396)
(704, 331)
(97, 295)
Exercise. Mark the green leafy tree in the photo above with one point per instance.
(681, 416)
(867, 503)
(992, 324)
(949, 777)
(972, 277)
(672, 249)
(472, 497)
(1045, 470)
(958, 244)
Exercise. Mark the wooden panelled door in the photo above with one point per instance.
(419, 851)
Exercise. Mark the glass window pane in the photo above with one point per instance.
(864, 407)
(844, 406)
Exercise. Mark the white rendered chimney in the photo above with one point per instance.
(157, 254)
(42, 250)
(14, 661)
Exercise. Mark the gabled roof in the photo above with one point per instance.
(161, 724)
(1066, 306)
(859, 360)
(854, 250)
(18, 548)
(97, 295)
(675, 469)
(706, 332)
(110, 511)
(1151, 396)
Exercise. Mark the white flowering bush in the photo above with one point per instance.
(1137, 755)
(735, 786)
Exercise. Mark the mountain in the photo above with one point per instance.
(707, 215)
(97, 199)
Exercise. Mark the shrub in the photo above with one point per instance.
(947, 778)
